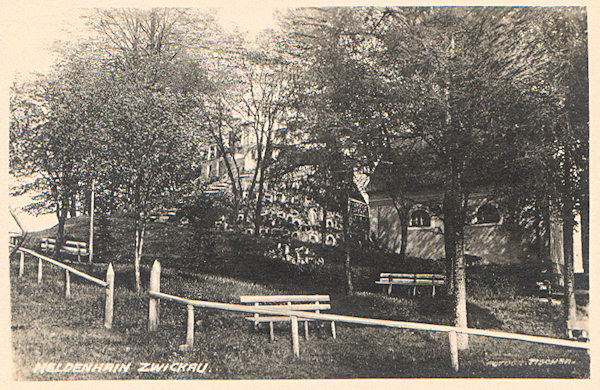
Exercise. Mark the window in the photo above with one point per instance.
(330, 240)
(212, 152)
(420, 218)
(487, 213)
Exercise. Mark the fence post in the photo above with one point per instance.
(39, 270)
(67, 284)
(453, 349)
(21, 263)
(78, 253)
(110, 296)
(153, 319)
(189, 340)
(295, 341)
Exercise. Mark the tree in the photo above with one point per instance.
(143, 109)
(255, 108)
(47, 145)
(334, 129)
(550, 149)
(466, 108)
(449, 81)
(560, 87)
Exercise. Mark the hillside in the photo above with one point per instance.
(221, 266)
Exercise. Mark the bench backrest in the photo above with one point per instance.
(415, 278)
(52, 242)
(71, 247)
(292, 302)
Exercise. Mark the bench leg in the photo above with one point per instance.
(389, 290)
(271, 333)
(333, 334)
(414, 291)
(433, 292)
(306, 330)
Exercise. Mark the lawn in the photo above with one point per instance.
(46, 328)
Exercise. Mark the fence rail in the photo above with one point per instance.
(155, 294)
(109, 284)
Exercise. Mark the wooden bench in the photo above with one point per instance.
(578, 329)
(312, 303)
(14, 238)
(70, 247)
(413, 280)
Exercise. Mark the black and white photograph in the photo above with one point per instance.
(289, 190)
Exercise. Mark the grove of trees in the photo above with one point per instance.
(455, 96)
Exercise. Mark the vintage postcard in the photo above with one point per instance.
(275, 190)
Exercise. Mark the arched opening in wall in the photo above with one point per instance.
(420, 218)
(330, 240)
(487, 213)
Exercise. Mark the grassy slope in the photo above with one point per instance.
(225, 266)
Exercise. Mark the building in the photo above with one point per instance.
(488, 239)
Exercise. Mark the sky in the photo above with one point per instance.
(30, 28)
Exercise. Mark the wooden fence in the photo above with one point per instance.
(155, 295)
(108, 285)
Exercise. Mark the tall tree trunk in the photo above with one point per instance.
(404, 231)
(61, 213)
(460, 289)
(347, 265)
(91, 230)
(542, 212)
(449, 244)
(324, 227)
(454, 241)
(547, 226)
(140, 230)
(402, 211)
(569, 304)
(261, 187)
(539, 230)
(259, 200)
(85, 206)
(73, 206)
(585, 232)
